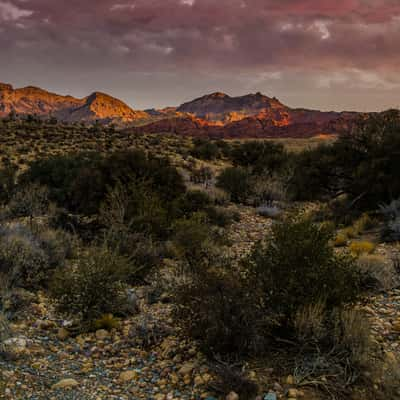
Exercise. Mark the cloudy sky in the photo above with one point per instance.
(325, 54)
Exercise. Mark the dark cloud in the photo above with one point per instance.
(170, 49)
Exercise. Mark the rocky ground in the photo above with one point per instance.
(45, 362)
(145, 357)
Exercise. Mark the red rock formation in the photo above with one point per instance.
(252, 116)
(97, 106)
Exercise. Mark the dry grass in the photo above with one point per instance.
(362, 247)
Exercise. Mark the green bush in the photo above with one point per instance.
(192, 240)
(31, 201)
(28, 259)
(205, 149)
(297, 266)
(94, 286)
(80, 183)
(24, 263)
(222, 313)
(263, 157)
(7, 183)
(236, 182)
(192, 201)
(361, 165)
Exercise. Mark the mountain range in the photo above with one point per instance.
(213, 115)
(95, 107)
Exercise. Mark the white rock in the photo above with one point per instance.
(232, 396)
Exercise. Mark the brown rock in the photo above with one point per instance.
(65, 384)
(62, 334)
(187, 368)
(128, 376)
(102, 334)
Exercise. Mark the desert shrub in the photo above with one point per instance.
(7, 183)
(351, 335)
(22, 259)
(80, 183)
(30, 201)
(267, 189)
(236, 182)
(135, 207)
(269, 211)
(192, 201)
(362, 247)
(221, 313)
(364, 223)
(309, 322)
(58, 174)
(261, 156)
(378, 272)
(299, 248)
(360, 165)
(196, 201)
(391, 210)
(193, 240)
(218, 196)
(201, 175)
(58, 245)
(143, 252)
(391, 231)
(221, 217)
(107, 322)
(94, 286)
(391, 214)
(205, 149)
(336, 356)
(311, 179)
(148, 331)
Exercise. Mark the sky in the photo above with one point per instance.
(322, 54)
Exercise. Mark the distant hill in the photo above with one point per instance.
(213, 115)
(97, 106)
(252, 115)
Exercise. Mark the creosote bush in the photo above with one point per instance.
(94, 286)
(236, 182)
(221, 313)
(298, 267)
(28, 258)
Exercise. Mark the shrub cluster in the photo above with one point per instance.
(93, 286)
(28, 259)
(295, 270)
(360, 164)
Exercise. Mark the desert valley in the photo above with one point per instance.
(199, 200)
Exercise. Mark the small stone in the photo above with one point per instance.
(292, 393)
(62, 334)
(15, 346)
(65, 384)
(128, 376)
(198, 380)
(396, 326)
(101, 334)
(232, 396)
(187, 368)
(270, 396)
